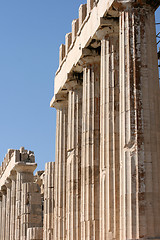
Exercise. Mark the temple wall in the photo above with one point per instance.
(111, 52)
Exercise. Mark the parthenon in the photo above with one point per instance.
(105, 181)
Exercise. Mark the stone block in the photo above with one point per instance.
(90, 4)
(82, 13)
(68, 41)
(35, 233)
(75, 27)
(61, 53)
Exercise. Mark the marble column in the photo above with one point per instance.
(24, 174)
(90, 155)
(49, 201)
(139, 124)
(8, 209)
(13, 205)
(60, 171)
(0, 214)
(35, 233)
(109, 132)
(73, 184)
(31, 208)
(3, 226)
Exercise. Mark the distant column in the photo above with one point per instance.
(90, 156)
(24, 174)
(31, 208)
(13, 205)
(140, 125)
(0, 214)
(60, 171)
(49, 201)
(3, 226)
(8, 209)
(73, 185)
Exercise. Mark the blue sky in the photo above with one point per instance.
(31, 32)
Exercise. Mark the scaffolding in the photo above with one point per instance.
(158, 48)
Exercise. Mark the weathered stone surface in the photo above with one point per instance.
(49, 201)
(35, 233)
(120, 142)
(20, 197)
(73, 178)
(109, 132)
(60, 172)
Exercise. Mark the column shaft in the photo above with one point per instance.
(0, 216)
(74, 163)
(140, 127)
(31, 208)
(22, 177)
(8, 212)
(3, 231)
(90, 189)
(13, 207)
(49, 201)
(109, 142)
(60, 174)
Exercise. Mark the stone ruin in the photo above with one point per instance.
(20, 196)
(105, 181)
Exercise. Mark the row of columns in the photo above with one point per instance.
(108, 136)
(20, 203)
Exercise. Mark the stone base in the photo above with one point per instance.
(145, 238)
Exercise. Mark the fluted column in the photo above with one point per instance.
(8, 209)
(0, 214)
(140, 125)
(35, 233)
(24, 174)
(90, 156)
(13, 205)
(31, 208)
(109, 132)
(60, 171)
(74, 159)
(49, 201)
(3, 226)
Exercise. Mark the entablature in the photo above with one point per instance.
(94, 17)
(16, 160)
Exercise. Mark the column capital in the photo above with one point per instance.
(25, 167)
(59, 101)
(3, 190)
(60, 104)
(89, 57)
(126, 4)
(13, 175)
(74, 81)
(8, 183)
(109, 27)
